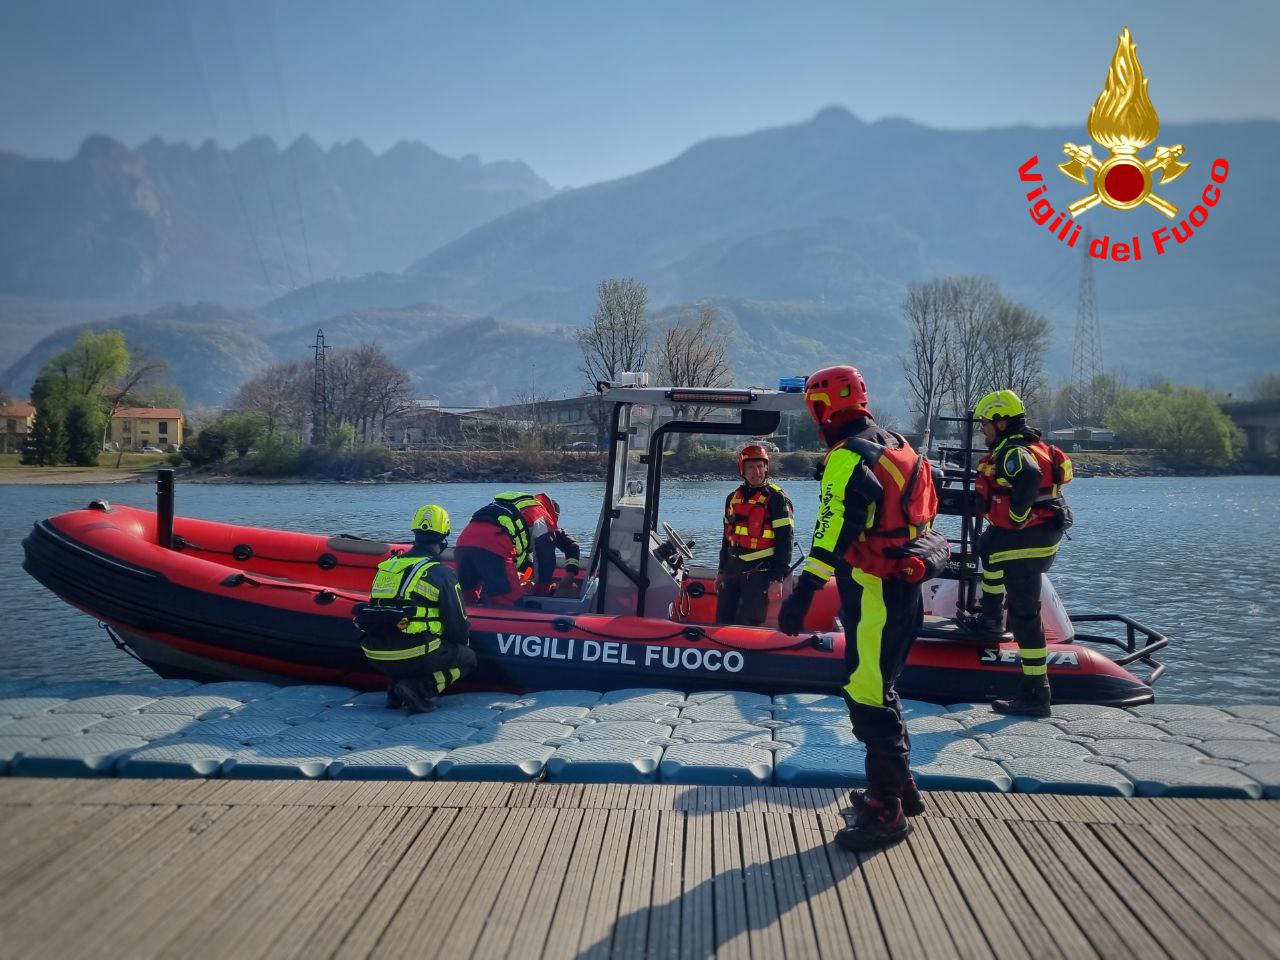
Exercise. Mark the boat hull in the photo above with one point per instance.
(246, 603)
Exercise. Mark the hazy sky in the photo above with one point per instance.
(586, 91)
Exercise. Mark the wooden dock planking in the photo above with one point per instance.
(291, 869)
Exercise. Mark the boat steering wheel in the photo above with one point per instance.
(677, 542)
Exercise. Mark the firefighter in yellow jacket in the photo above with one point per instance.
(416, 629)
(876, 501)
(1020, 481)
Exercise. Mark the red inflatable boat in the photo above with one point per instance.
(194, 598)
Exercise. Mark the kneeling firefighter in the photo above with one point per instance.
(513, 534)
(415, 628)
(876, 507)
(1020, 481)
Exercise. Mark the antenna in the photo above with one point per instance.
(1086, 358)
(320, 393)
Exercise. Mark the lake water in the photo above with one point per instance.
(1196, 558)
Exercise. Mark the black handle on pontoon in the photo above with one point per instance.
(164, 507)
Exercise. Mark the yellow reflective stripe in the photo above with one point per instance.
(1035, 653)
(993, 588)
(1025, 553)
(408, 653)
(768, 535)
(866, 683)
(784, 522)
(758, 555)
(891, 468)
(823, 571)
(992, 574)
(441, 682)
(1019, 517)
(1037, 671)
(427, 590)
(741, 530)
(841, 462)
(454, 674)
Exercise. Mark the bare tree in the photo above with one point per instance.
(616, 340)
(283, 392)
(124, 392)
(969, 304)
(925, 310)
(1013, 349)
(365, 388)
(693, 353)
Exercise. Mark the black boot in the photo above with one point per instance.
(988, 619)
(912, 800)
(1032, 700)
(415, 697)
(393, 699)
(878, 822)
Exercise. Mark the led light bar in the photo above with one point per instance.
(700, 395)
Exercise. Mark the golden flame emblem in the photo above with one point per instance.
(1123, 120)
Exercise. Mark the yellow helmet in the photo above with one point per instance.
(998, 406)
(432, 518)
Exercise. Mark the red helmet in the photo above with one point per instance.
(835, 392)
(752, 451)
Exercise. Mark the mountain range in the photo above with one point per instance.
(803, 237)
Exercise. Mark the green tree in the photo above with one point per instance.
(243, 429)
(1183, 423)
(83, 424)
(47, 444)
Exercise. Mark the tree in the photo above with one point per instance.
(366, 388)
(47, 444)
(1266, 389)
(1013, 349)
(1184, 423)
(616, 340)
(83, 423)
(693, 353)
(68, 397)
(242, 429)
(925, 311)
(282, 392)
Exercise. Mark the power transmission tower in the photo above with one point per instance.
(320, 393)
(1086, 359)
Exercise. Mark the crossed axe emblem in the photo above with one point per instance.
(1164, 161)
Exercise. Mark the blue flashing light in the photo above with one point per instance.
(791, 384)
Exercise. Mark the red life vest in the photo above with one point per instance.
(996, 489)
(747, 525)
(909, 505)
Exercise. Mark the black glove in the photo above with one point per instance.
(794, 609)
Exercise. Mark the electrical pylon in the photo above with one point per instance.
(1086, 358)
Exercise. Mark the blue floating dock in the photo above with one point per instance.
(177, 728)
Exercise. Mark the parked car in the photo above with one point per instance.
(150, 449)
(580, 445)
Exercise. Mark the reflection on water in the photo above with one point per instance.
(1193, 557)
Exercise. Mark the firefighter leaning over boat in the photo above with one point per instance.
(876, 507)
(515, 533)
(415, 627)
(1020, 481)
(755, 553)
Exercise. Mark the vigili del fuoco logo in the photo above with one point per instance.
(1123, 122)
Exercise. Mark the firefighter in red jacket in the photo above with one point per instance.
(755, 553)
(1020, 481)
(515, 533)
(876, 496)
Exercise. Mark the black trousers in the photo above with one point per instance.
(436, 671)
(744, 598)
(1012, 562)
(881, 621)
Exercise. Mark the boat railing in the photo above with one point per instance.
(1153, 641)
